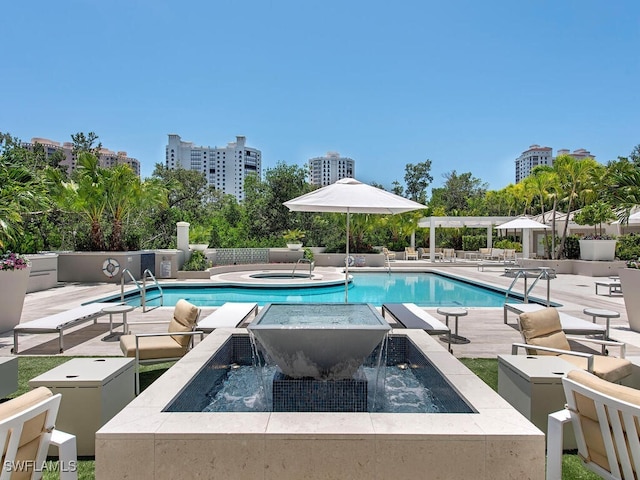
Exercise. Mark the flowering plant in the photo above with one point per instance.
(13, 261)
(604, 236)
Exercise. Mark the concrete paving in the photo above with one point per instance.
(484, 327)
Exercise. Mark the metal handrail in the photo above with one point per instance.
(142, 289)
(302, 260)
(526, 273)
(147, 274)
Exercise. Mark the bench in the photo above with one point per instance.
(59, 322)
(409, 315)
(229, 315)
(614, 286)
(570, 324)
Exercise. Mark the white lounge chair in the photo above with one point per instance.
(229, 315)
(27, 428)
(409, 315)
(570, 324)
(605, 419)
(60, 322)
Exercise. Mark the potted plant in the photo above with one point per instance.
(14, 276)
(293, 238)
(598, 246)
(199, 237)
(630, 283)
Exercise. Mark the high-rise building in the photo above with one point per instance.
(324, 171)
(225, 168)
(537, 155)
(107, 158)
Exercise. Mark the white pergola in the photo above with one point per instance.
(456, 222)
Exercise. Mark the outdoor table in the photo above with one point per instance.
(453, 312)
(123, 309)
(600, 312)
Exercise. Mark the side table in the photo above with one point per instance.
(93, 391)
(457, 313)
(600, 312)
(123, 309)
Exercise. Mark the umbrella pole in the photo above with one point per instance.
(346, 263)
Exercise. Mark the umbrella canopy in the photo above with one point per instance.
(523, 223)
(351, 196)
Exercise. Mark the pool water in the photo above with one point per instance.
(423, 289)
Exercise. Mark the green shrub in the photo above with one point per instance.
(628, 246)
(471, 243)
(572, 247)
(197, 263)
(508, 244)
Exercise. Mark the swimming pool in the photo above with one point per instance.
(423, 289)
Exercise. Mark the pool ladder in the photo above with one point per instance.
(302, 260)
(537, 273)
(142, 289)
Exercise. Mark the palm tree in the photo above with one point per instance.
(541, 183)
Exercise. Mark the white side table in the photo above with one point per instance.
(93, 391)
(115, 309)
(602, 313)
(456, 313)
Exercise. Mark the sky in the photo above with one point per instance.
(469, 85)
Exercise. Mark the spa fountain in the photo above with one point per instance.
(316, 427)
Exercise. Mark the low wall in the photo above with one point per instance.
(577, 267)
(44, 272)
(360, 259)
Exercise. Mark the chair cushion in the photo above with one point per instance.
(152, 347)
(33, 428)
(587, 411)
(611, 369)
(543, 328)
(185, 316)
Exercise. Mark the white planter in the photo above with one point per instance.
(199, 246)
(294, 246)
(13, 288)
(597, 249)
(630, 282)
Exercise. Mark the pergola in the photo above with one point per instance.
(456, 222)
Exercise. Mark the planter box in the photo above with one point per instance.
(13, 288)
(630, 282)
(598, 249)
(200, 275)
(44, 272)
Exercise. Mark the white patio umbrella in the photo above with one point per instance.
(523, 223)
(351, 196)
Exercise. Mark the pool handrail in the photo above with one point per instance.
(142, 289)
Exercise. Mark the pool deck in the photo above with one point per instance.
(488, 335)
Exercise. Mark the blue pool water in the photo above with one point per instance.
(423, 289)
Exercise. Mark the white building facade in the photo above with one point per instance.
(326, 170)
(225, 168)
(537, 155)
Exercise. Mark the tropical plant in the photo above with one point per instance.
(293, 235)
(595, 214)
(197, 263)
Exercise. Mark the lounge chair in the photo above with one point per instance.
(614, 286)
(150, 348)
(410, 253)
(409, 315)
(542, 334)
(229, 315)
(570, 324)
(448, 255)
(605, 419)
(27, 428)
(60, 322)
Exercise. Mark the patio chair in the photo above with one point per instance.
(542, 333)
(388, 254)
(150, 348)
(410, 253)
(605, 419)
(448, 255)
(27, 428)
(509, 255)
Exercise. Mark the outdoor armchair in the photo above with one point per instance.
(27, 428)
(605, 419)
(410, 253)
(543, 335)
(149, 348)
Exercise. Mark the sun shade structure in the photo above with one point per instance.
(523, 223)
(351, 196)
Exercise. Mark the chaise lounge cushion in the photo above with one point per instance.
(543, 328)
(32, 430)
(587, 411)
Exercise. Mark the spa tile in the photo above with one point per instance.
(320, 423)
(125, 457)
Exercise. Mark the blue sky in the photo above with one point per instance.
(466, 84)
